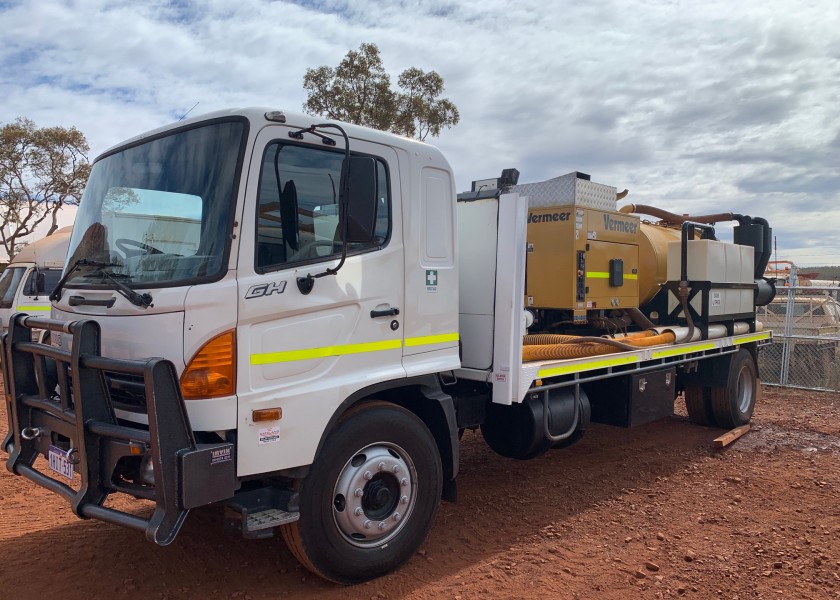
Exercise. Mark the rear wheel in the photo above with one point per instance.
(734, 403)
(698, 404)
(369, 498)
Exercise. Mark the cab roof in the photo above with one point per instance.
(257, 117)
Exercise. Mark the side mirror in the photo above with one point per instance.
(289, 214)
(360, 211)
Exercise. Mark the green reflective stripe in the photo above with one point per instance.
(752, 338)
(310, 353)
(605, 275)
(33, 308)
(587, 366)
(683, 350)
(431, 339)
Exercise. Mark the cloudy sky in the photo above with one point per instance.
(696, 107)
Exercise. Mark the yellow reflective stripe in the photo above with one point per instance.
(431, 339)
(605, 275)
(752, 338)
(33, 308)
(309, 353)
(682, 350)
(589, 365)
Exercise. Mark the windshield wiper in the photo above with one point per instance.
(142, 300)
(55, 296)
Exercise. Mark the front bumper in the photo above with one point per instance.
(62, 399)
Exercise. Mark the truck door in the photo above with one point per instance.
(305, 353)
(9, 283)
(33, 300)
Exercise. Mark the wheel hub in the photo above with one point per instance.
(374, 494)
(381, 496)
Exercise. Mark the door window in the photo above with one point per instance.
(9, 284)
(297, 206)
(51, 277)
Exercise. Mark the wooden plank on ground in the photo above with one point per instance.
(730, 436)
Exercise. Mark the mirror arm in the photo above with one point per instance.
(305, 284)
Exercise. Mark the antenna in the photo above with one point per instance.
(188, 112)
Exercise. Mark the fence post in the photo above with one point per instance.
(786, 345)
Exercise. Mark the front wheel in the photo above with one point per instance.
(370, 496)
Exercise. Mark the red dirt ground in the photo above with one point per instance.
(650, 512)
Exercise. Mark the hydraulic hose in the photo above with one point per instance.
(638, 318)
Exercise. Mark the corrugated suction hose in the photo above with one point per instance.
(558, 347)
(559, 351)
(541, 339)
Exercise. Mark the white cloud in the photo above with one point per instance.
(696, 107)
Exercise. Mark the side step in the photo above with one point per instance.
(254, 514)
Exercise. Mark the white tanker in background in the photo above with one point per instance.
(28, 281)
(307, 315)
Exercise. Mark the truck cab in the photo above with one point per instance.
(301, 306)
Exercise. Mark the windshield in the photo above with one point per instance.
(159, 213)
(9, 281)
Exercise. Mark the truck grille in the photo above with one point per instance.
(128, 392)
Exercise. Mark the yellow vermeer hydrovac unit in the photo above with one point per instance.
(592, 267)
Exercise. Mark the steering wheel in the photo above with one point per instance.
(134, 248)
(308, 250)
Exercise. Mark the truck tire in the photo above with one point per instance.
(370, 496)
(734, 403)
(698, 404)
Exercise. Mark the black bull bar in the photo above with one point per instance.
(61, 398)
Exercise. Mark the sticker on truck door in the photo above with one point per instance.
(431, 281)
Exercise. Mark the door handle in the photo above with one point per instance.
(387, 312)
(82, 301)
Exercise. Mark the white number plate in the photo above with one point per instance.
(59, 463)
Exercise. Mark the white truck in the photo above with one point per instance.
(28, 281)
(339, 315)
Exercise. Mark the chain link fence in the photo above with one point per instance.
(805, 352)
